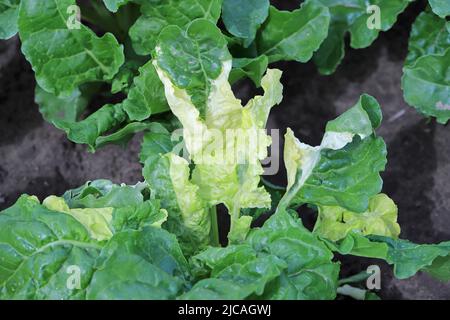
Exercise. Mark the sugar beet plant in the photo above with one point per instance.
(162, 65)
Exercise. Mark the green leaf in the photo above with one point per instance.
(105, 208)
(146, 96)
(38, 246)
(243, 18)
(358, 245)
(159, 14)
(334, 223)
(361, 35)
(354, 16)
(429, 35)
(123, 80)
(54, 108)
(345, 169)
(426, 85)
(440, 7)
(88, 130)
(247, 67)
(9, 11)
(124, 135)
(155, 144)
(281, 260)
(44, 250)
(293, 35)
(192, 59)
(139, 265)
(408, 258)
(64, 58)
(168, 178)
(104, 193)
(114, 5)
(95, 220)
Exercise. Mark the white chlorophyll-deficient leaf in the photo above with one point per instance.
(218, 135)
(168, 179)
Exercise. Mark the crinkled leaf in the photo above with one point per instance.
(104, 193)
(243, 18)
(334, 223)
(43, 250)
(345, 169)
(426, 85)
(95, 220)
(281, 260)
(293, 35)
(276, 193)
(9, 11)
(228, 142)
(40, 245)
(103, 222)
(159, 14)
(64, 58)
(139, 265)
(168, 179)
(429, 35)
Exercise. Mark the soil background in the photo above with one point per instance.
(36, 158)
